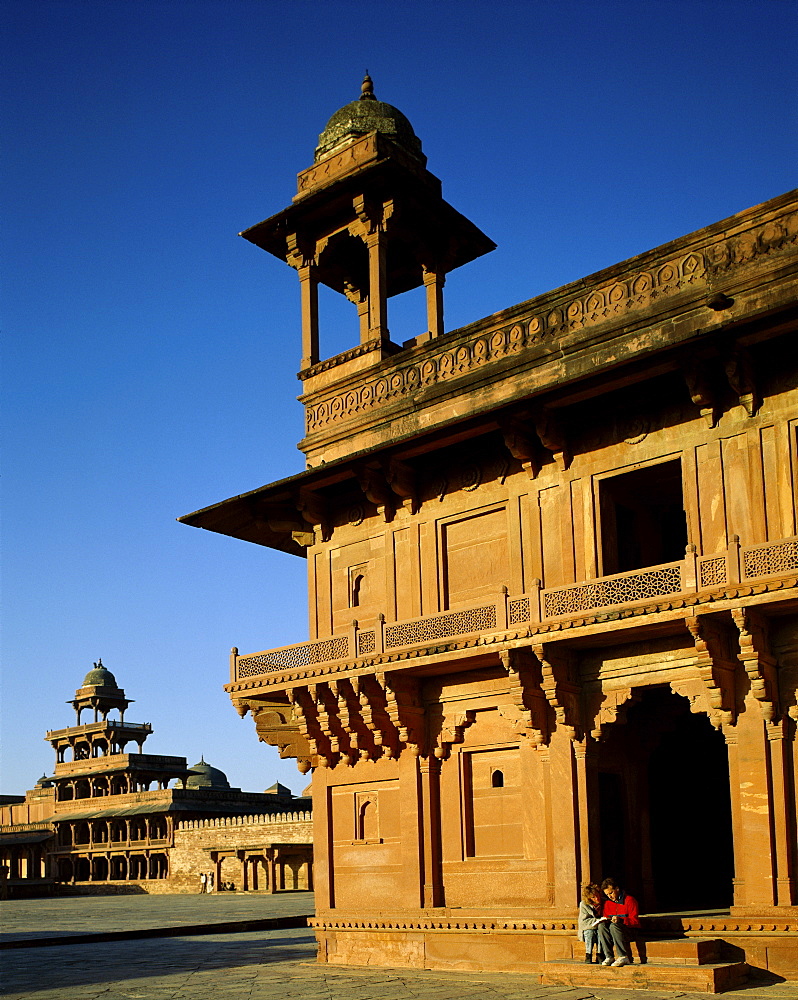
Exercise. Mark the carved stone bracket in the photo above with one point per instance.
(282, 520)
(696, 693)
(740, 373)
(314, 511)
(404, 708)
(716, 667)
(374, 713)
(275, 725)
(451, 727)
(401, 479)
(307, 718)
(607, 707)
(521, 444)
(330, 724)
(702, 391)
(552, 437)
(561, 686)
(299, 252)
(371, 216)
(376, 488)
(530, 709)
(758, 660)
(361, 737)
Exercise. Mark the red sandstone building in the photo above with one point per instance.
(112, 820)
(553, 578)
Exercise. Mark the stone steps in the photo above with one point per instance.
(704, 978)
(693, 964)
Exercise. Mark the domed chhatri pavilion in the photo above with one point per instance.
(553, 587)
(108, 818)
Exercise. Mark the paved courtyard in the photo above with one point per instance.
(275, 964)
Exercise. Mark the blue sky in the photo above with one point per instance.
(150, 353)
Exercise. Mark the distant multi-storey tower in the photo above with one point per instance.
(107, 815)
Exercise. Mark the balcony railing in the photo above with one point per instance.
(689, 575)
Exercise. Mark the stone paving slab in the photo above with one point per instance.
(68, 917)
(275, 965)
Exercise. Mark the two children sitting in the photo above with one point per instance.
(605, 914)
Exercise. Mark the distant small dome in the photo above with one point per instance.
(99, 676)
(44, 782)
(202, 775)
(365, 115)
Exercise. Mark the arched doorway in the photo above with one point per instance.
(664, 805)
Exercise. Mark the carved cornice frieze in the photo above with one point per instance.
(783, 925)
(553, 317)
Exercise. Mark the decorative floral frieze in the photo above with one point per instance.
(635, 292)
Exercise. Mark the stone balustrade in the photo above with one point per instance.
(693, 574)
(250, 820)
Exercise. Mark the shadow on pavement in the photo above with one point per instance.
(82, 965)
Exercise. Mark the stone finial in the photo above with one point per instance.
(367, 89)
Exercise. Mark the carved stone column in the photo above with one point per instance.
(309, 298)
(322, 843)
(412, 829)
(429, 772)
(433, 286)
(586, 758)
(779, 737)
(564, 843)
(755, 860)
(376, 243)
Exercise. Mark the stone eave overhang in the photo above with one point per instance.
(269, 514)
(387, 176)
(15, 839)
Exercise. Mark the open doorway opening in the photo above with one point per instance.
(692, 859)
(664, 806)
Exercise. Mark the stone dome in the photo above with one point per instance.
(202, 775)
(365, 115)
(99, 676)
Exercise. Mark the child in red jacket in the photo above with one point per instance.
(619, 913)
